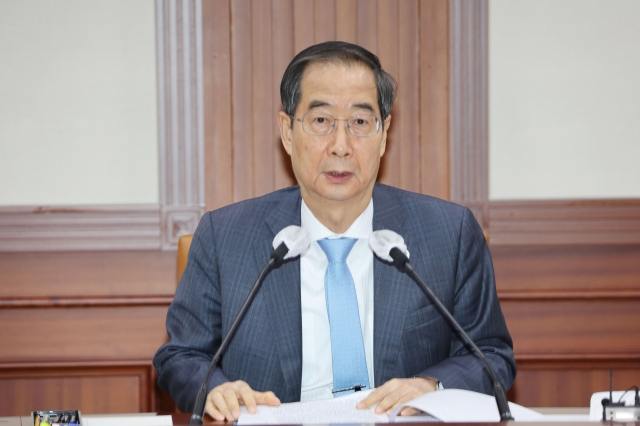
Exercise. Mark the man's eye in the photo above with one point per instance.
(320, 120)
(360, 121)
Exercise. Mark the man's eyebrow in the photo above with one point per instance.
(365, 105)
(315, 104)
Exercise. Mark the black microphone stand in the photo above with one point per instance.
(402, 261)
(198, 408)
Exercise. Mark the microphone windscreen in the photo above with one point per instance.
(296, 239)
(381, 243)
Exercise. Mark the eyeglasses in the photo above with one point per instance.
(319, 124)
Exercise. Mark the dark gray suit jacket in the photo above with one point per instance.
(232, 244)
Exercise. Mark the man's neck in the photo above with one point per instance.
(337, 216)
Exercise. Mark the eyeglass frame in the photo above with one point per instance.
(335, 120)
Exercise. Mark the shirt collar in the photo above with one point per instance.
(361, 228)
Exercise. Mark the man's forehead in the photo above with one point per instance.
(316, 71)
(324, 83)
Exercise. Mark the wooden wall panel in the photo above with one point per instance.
(324, 27)
(572, 312)
(574, 222)
(367, 26)
(346, 12)
(242, 121)
(87, 274)
(247, 46)
(303, 25)
(434, 98)
(218, 123)
(569, 272)
(96, 389)
(573, 326)
(407, 138)
(283, 39)
(93, 333)
(570, 382)
(79, 329)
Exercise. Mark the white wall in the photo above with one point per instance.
(78, 113)
(564, 99)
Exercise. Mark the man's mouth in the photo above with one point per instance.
(338, 177)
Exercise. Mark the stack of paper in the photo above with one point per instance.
(449, 405)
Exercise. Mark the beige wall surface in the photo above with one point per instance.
(78, 108)
(564, 99)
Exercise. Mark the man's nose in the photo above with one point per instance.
(340, 145)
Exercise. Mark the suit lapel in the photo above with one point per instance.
(282, 294)
(390, 296)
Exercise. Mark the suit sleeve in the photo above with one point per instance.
(193, 324)
(477, 309)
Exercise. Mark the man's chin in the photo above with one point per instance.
(340, 195)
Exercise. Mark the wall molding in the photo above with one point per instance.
(180, 117)
(582, 356)
(109, 227)
(586, 295)
(79, 364)
(85, 301)
(469, 102)
(575, 222)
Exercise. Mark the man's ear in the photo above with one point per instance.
(385, 127)
(286, 130)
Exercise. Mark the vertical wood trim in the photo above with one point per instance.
(387, 42)
(408, 97)
(283, 52)
(241, 102)
(180, 117)
(367, 25)
(434, 98)
(263, 146)
(217, 103)
(324, 20)
(346, 12)
(303, 24)
(469, 105)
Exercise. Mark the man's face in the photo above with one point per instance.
(338, 167)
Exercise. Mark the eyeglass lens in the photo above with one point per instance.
(323, 124)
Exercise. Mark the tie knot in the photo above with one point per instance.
(337, 250)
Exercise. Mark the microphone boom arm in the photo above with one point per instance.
(401, 260)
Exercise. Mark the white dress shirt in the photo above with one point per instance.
(317, 368)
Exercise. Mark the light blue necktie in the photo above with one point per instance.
(347, 347)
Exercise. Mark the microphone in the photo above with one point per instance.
(290, 242)
(390, 246)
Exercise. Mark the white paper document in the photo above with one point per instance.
(334, 410)
(457, 405)
(129, 420)
(449, 405)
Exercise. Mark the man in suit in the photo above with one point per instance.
(337, 102)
